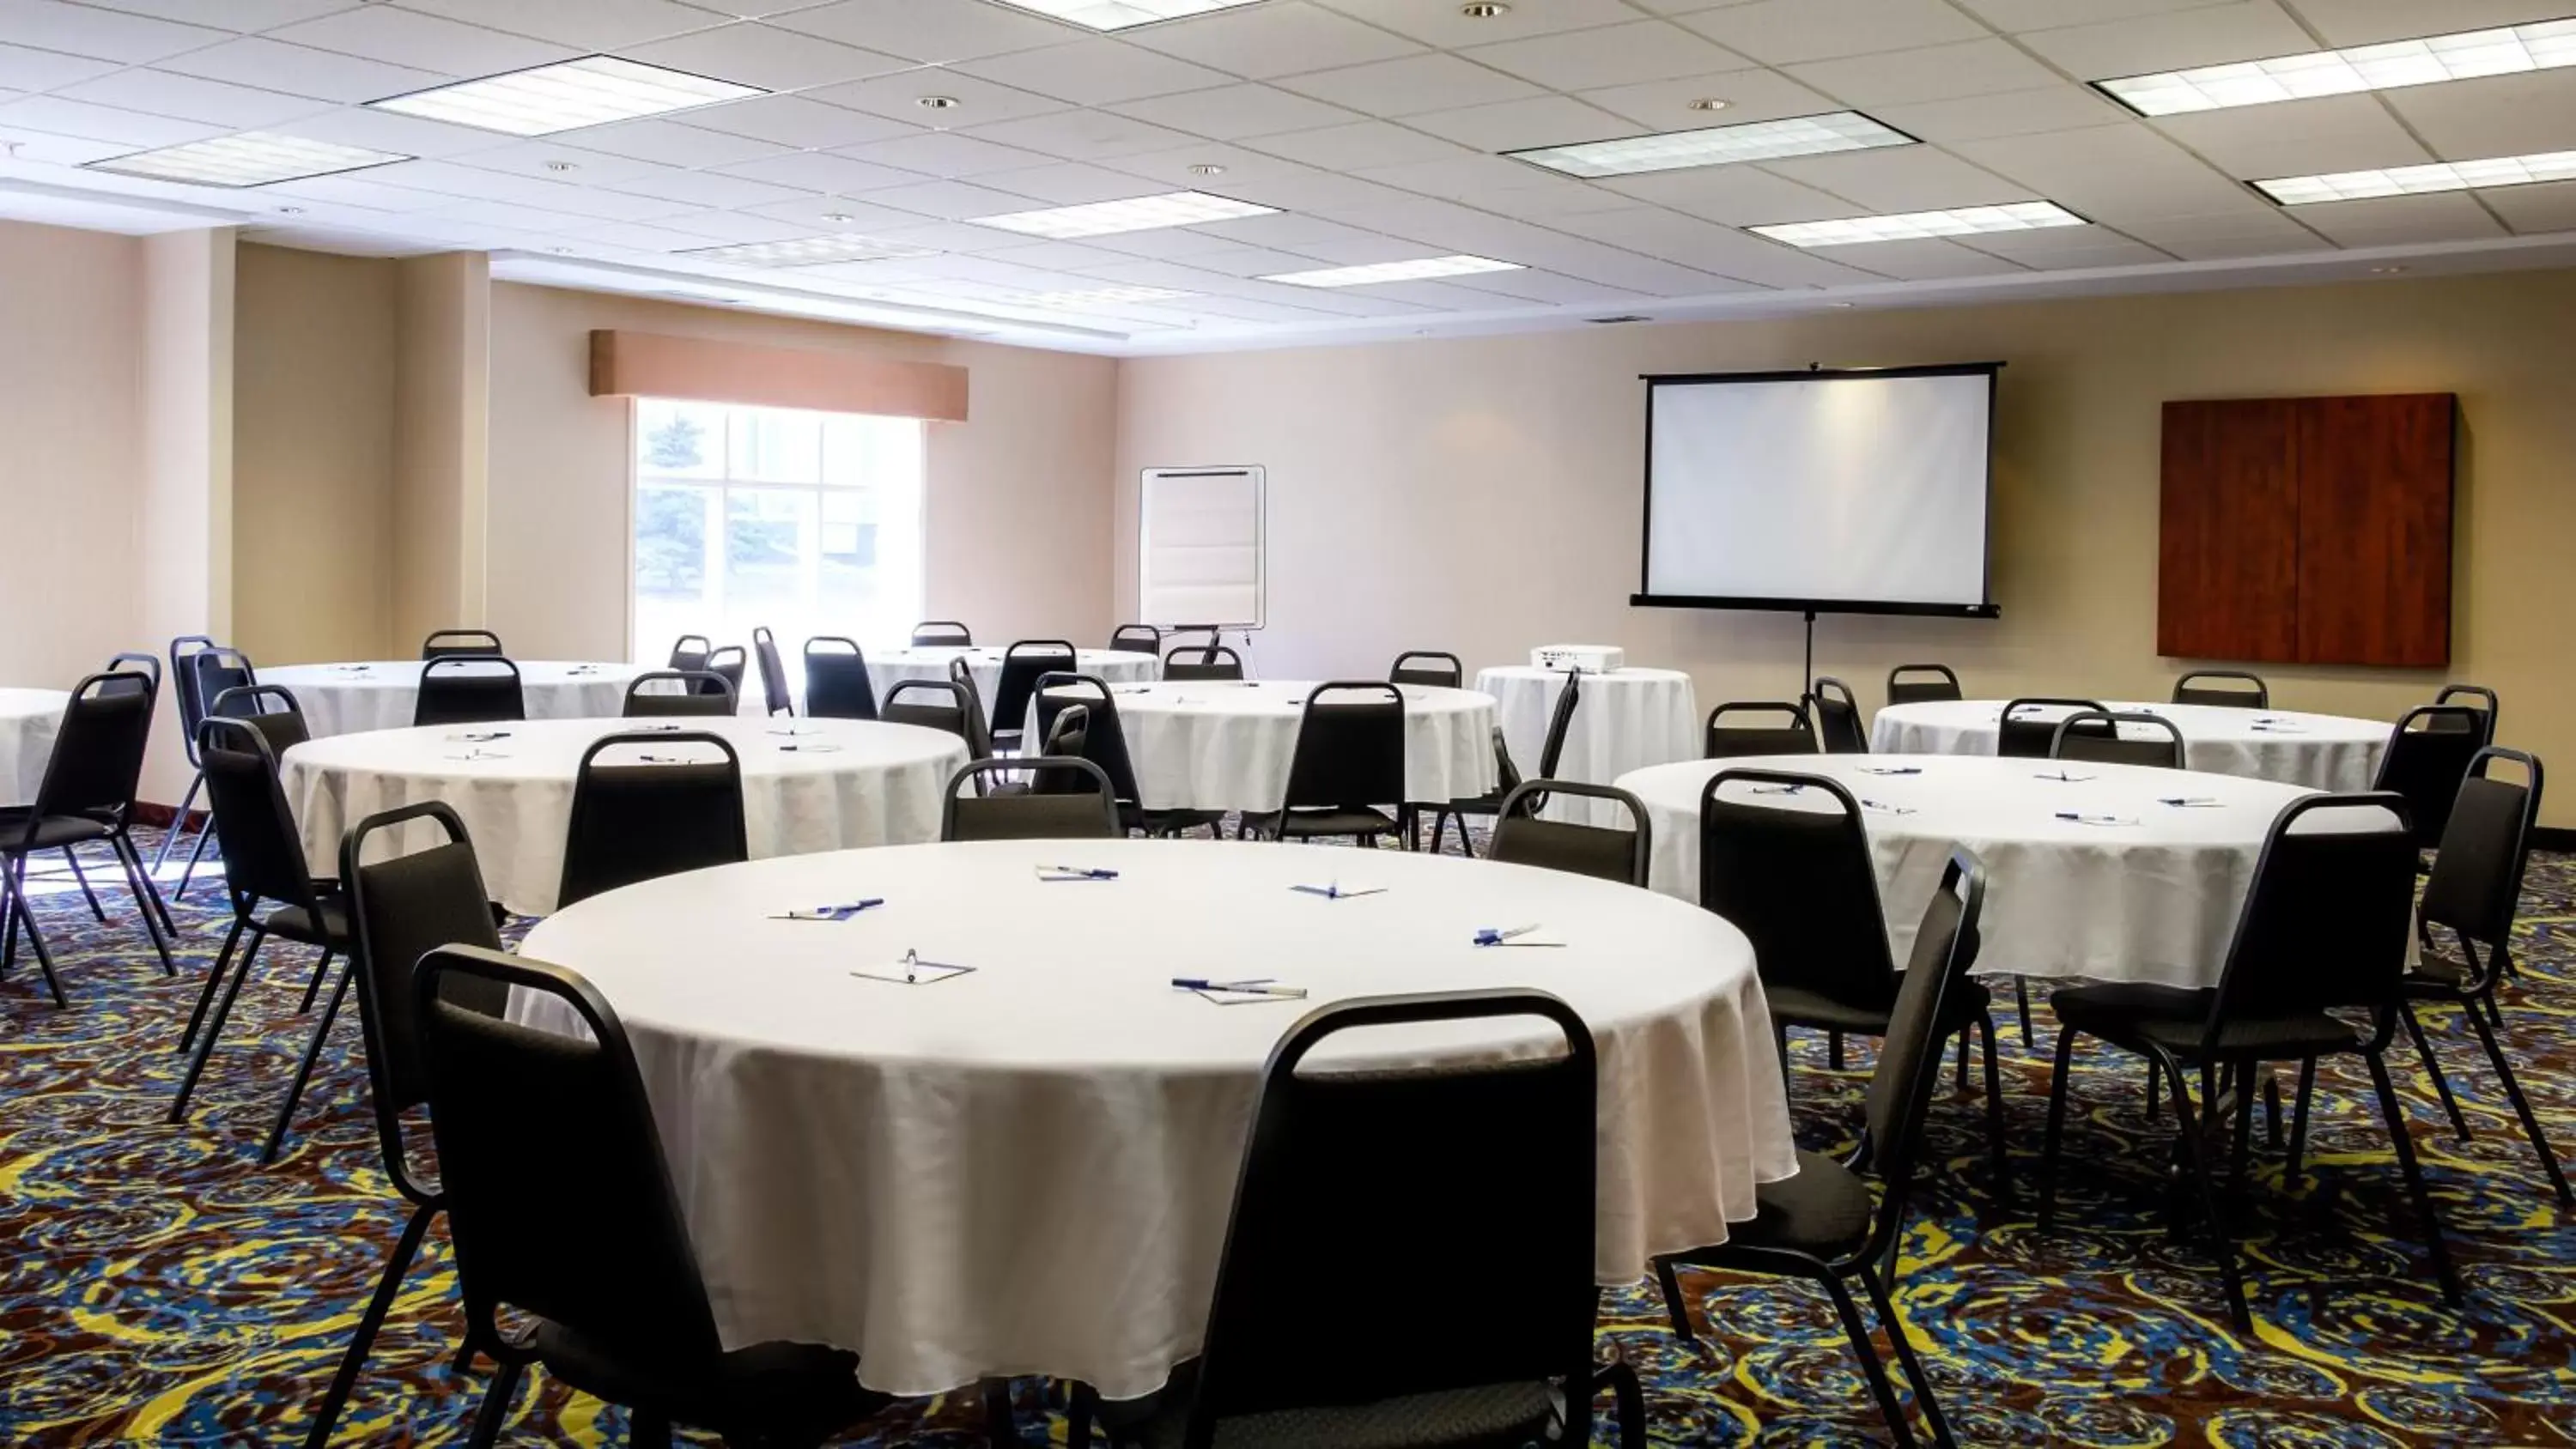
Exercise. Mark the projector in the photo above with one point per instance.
(1580, 658)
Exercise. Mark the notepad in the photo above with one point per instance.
(847, 911)
(1074, 872)
(1891, 769)
(1336, 891)
(912, 971)
(2064, 777)
(2083, 819)
(1249, 992)
(808, 749)
(1883, 808)
(1513, 936)
(476, 737)
(2191, 802)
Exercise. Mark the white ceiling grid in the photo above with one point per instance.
(1374, 126)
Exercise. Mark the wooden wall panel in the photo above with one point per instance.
(2375, 530)
(2228, 545)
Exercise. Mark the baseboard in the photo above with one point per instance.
(2553, 837)
(148, 813)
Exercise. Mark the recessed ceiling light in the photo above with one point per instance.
(2463, 55)
(1718, 145)
(1121, 14)
(1207, 168)
(1916, 225)
(253, 158)
(1484, 9)
(936, 103)
(1136, 213)
(1710, 103)
(572, 93)
(1105, 297)
(808, 251)
(1415, 270)
(2421, 180)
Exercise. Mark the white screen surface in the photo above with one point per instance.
(1831, 489)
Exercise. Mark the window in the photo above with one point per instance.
(809, 523)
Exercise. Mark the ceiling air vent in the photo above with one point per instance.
(1615, 321)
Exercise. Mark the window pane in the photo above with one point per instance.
(679, 439)
(775, 446)
(871, 450)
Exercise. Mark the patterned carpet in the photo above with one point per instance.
(158, 1287)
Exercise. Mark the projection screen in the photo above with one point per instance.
(1831, 492)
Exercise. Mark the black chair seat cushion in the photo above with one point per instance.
(50, 832)
(1324, 822)
(297, 924)
(1501, 1416)
(1798, 1006)
(774, 1393)
(2137, 1014)
(1159, 822)
(1823, 1211)
(2436, 978)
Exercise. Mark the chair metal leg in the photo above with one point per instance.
(2243, 1149)
(1960, 1083)
(1996, 1146)
(1081, 1402)
(1001, 1426)
(2299, 1118)
(1907, 1360)
(496, 1405)
(313, 987)
(1871, 1366)
(1676, 1307)
(179, 820)
(214, 981)
(2021, 999)
(2404, 1141)
(304, 1068)
(146, 904)
(1834, 1051)
(2155, 1092)
(2521, 1106)
(2205, 1178)
(1620, 1377)
(647, 1431)
(388, 1287)
(214, 1028)
(73, 860)
(2271, 1107)
(2057, 1093)
(13, 880)
(196, 853)
(2433, 1069)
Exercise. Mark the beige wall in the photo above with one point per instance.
(1018, 497)
(1482, 496)
(443, 324)
(185, 527)
(313, 448)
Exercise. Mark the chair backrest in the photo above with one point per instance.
(97, 760)
(690, 651)
(1022, 663)
(263, 855)
(127, 661)
(1921, 683)
(2476, 884)
(2326, 922)
(1202, 661)
(400, 909)
(1837, 715)
(1551, 750)
(1902, 1085)
(1353, 1179)
(447, 643)
(1783, 729)
(1350, 747)
(529, 1122)
(1104, 740)
(2025, 731)
(1431, 668)
(837, 685)
(663, 814)
(979, 723)
(2224, 688)
(2474, 697)
(271, 709)
(775, 697)
(944, 705)
(2080, 736)
(1602, 851)
(1090, 814)
(1137, 639)
(2427, 757)
(1799, 882)
(701, 695)
(468, 689)
(942, 632)
(200, 669)
(729, 663)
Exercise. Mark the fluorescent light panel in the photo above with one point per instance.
(587, 92)
(808, 252)
(1105, 297)
(1718, 145)
(1121, 14)
(1418, 269)
(2507, 50)
(1916, 225)
(252, 158)
(1136, 213)
(2421, 180)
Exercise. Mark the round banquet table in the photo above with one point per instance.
(2150, 893)
(2320, 751)
(1028, 1168)
(28, 720)
(1226, 744)
(343, 699)
(843, 783)
(890, 667)
(1624, 720)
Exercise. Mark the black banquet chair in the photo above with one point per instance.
(1193, 662)
(776, 698)
(1430, 668)
(1922, 684)
(1287, 1362)
(86, 796)
(730, 663)
(1022, 663)
(1820, 1225)
(659, 806)
(469, 689)
(526, 1122)
(940, 705)
(1507, 774)
(1348, 763)
(1137, 639)
(1104, 743)
(2323, 931)
(942, 633)
(2027, 728)
(2475, 697)
(452, 643)
(200, 669)
(690, 652)
(2224, 689)
(2427, 757)
(837, 685)
(1605, 852)
(1837, 714)
(699, 694)
(2109, 737)
(1783, 729)
(1071, 799)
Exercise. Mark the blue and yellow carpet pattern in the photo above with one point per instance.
(158, 1286)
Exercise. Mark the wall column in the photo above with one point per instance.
(184, 542)
(442, 434)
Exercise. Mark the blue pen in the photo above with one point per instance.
(1074, 872)
(1258, 987)
(2188, 802)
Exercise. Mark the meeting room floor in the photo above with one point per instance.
(157, 1286)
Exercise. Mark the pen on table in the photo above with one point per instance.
(1239, 988)
(2188, 801)
(1077, 872)
(1488, 936)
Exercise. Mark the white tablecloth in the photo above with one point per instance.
(846, 783)
(2320, 751)
(1028, 1169)
(1226, 744)
(2153, 898)
(341, 699)
(1625, 720)
(890, 667)
(28, 721)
